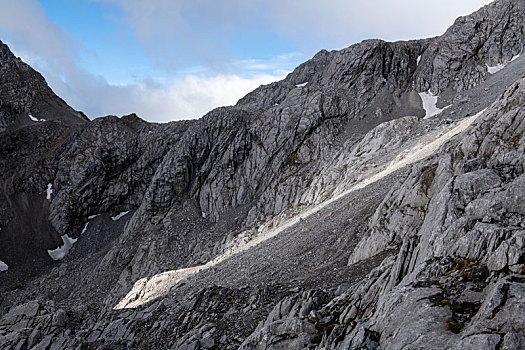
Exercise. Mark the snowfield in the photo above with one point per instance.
(61, 252)
(495, 69)
(49, 191)
(35, 119)
(429, 104)
(500, 66)
(115, 218)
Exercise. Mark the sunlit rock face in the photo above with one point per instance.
(370, 200)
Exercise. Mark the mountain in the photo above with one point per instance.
(370, 200)
(26, 98)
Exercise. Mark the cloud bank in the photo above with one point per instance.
(45, 46)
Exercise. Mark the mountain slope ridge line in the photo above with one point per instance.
(150, 288)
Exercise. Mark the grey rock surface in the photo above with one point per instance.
(429, 256)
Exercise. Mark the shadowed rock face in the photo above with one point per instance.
(421, 257)
(33, 122)
(24, 92)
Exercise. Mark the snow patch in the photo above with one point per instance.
(301, 85)
(49, 191)
(500, 66)
(85, 227)
(3, 266)
(61, 252)
(495, 69)
(150, 288)
(429, 104)
(115, 218)
(418, 60)
(35, 119)
(91, 217)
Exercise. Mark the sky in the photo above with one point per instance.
(178, 59)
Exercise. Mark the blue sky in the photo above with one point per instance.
(178, 59)
(113, 51)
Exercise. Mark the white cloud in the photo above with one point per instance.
(188, 98)
(345, 21)
(204, 26)
(50, 50)
(36, 37)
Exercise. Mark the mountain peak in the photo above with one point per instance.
(26, 97)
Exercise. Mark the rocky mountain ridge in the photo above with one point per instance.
(143, 199)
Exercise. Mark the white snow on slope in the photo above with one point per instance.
(85, 228)
(115, 218)
(35, 119)
(429, 104)
(3, 266)
(150, 288)
(301, 85)
(49, 191)
(418, 59)
(500, 66)
(91, 217)
(61, 252)
(495, 69)
(147, 289)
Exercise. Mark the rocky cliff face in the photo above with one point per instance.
(455, 279)
(377, 223)
(25, 97)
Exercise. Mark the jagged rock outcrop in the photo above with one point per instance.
(457, 227)
(459, 59)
